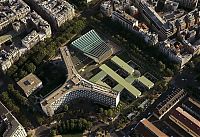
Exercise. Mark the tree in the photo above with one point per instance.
(65, 107)
(21, 60)
(101, 110)
(79, 25)
(10, 87)
(12, 70)
(52, 133)
(110, 113)
(169, 73)
(30, 67)
(40, 120)
(9, 103)
(22, 73)
(105, 112)
(161, 65)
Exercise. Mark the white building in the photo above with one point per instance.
(8, 57)
(42, 27)
(11, 11)
(77, 87)
(56, 12)
(29, 84)
(31, 40)
(57, 99)
(11, 125)
(106, 8)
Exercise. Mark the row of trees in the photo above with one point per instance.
(80, 4)
(144, 53)
(105, 112)
(73, 126)
(5, 98)
(15, 102)
(21, 107)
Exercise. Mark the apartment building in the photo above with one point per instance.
(10, 11)
(40, 25)
(106, 8)
(8, 56)
(31, 40)
(56, 12)
(176, 51)
(9, 125)
(163, 28)
(124, 19)
(170, 100)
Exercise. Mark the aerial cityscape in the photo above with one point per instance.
(99, 68)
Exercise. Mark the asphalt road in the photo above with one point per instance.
(186, 78)
(42, 131)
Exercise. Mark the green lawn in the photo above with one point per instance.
(73, 135)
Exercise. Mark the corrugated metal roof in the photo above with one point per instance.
(91, 44)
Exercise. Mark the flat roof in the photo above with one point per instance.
(99, 82)
(187, 120)
(12, 122)
(5, 38)
(130, 79)
(146, 82)
(146, 128)
(98, 76)
(120, 80)
(193, 105)
(122, 64)
(29, 82)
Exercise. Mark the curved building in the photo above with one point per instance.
(77, 87)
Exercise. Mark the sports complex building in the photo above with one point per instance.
(122, 83)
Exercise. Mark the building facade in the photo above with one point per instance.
(9, 124)
(8, 57)
(124, 19)
(56, 12)
(11, 11)
(31, 40)
(172, 99)
(49, 106)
